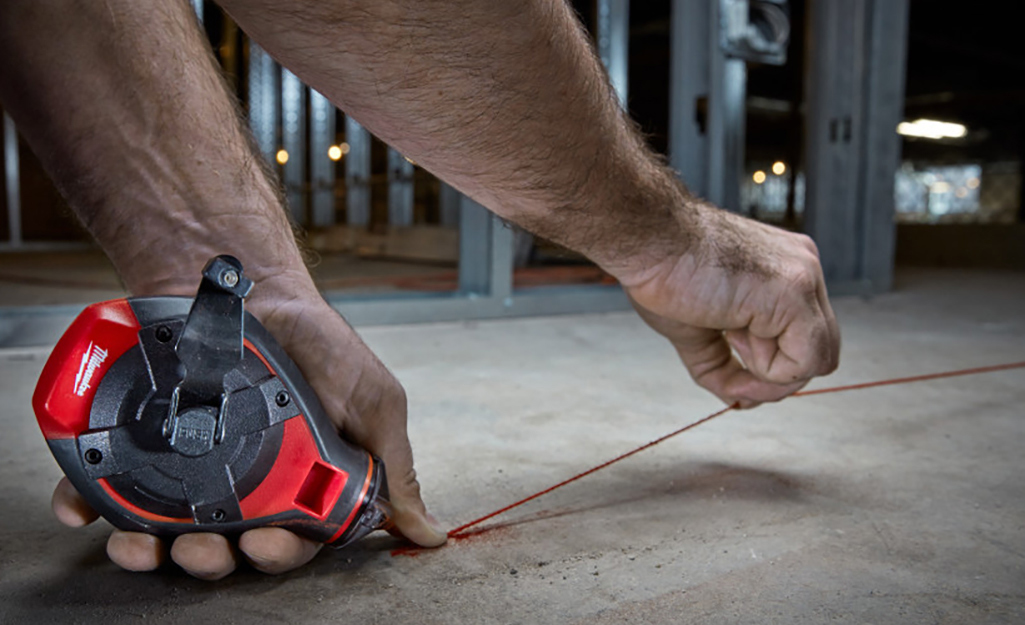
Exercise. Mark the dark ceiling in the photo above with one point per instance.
(965, 64)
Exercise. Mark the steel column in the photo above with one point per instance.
(613, 35)
(474, 248)
(293, 122)
(322, 168)
(449, 200)
(400, 189)
(357, 174)
(264, 101)
(690, 49)
(855, 81)
(12, 177)
(485, 253)
(709, 156)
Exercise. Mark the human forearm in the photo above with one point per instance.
(129, 116)
(131, 119)
(504, 100)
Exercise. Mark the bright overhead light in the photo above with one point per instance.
(779, 168)
(281, 157)
(940, 187)
(334, 153)
(758, 177)
(932, 129)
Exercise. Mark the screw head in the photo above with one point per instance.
(229, 278)
(93, 456)
(218, 515)
(164, 334)
(282, 398)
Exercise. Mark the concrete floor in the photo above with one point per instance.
(892, 505)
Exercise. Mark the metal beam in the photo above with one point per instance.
(43, 325)
(322, 168)
(485, 253)
(449, 200)
(400, 189)
(706, 144)
(293, 122)
(613, 35)
(884, 106)
(855, 80)
(12, 178)
(688, 84)
(727, 91)
(542, 301)
(474, 248)
(357, 174)
(264, 100)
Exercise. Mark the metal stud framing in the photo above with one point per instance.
(293, 123)
(709, 156)
(12, 178)
(400, 189)
(322, 168)
(613, 38)
(855, 84)
(357, 174)
(264, 100)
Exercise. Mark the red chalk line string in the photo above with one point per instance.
(457, 532)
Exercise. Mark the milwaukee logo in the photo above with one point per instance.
(91, 359)
(197, 434)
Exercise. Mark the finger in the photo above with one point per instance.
(750, 391)
(833, 330)
(274, 550)
(69, 507)
(204, 555)
(409, 513)
(134, 551)
(762, 357)
(712, 365)
(386, 438)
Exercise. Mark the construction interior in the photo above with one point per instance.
(888, 130)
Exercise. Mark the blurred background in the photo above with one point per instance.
(890, 131)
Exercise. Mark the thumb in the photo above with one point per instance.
(387, 438)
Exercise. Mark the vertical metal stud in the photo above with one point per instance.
(449, 200)
(855, 79)
(688, 84)
(474, 248)
(485, 253)
(12, 177)
(293, 122)
(264, 102)
(726, 131)
(400, 189)
(357, 174)
(322, 168)
(708, 152)
(613, 35)
(727, 102)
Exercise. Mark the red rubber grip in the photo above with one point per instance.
(100, 335)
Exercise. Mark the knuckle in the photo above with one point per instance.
(803, 280)
(809, 245)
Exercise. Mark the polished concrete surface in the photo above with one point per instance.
(903, 504)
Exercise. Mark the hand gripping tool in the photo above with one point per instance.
(174, 414)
